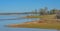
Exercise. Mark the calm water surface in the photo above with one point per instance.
(5, 22)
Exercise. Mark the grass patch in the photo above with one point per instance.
(44, 16)
(40, 25)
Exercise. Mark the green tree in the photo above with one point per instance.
(43, 11)
(53, 11)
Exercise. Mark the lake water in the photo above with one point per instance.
(4, 21)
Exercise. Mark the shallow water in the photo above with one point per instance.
(6, 22)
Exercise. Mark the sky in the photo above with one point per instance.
(27, 5)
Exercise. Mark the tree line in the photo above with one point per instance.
(45, 11)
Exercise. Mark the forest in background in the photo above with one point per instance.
(45, 11)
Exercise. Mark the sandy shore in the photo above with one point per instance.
(35, 25)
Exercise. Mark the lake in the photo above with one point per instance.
(5, 20)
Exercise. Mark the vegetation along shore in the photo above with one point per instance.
(48, 20)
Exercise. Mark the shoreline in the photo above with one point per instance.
(36, 25)
(48, 21)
